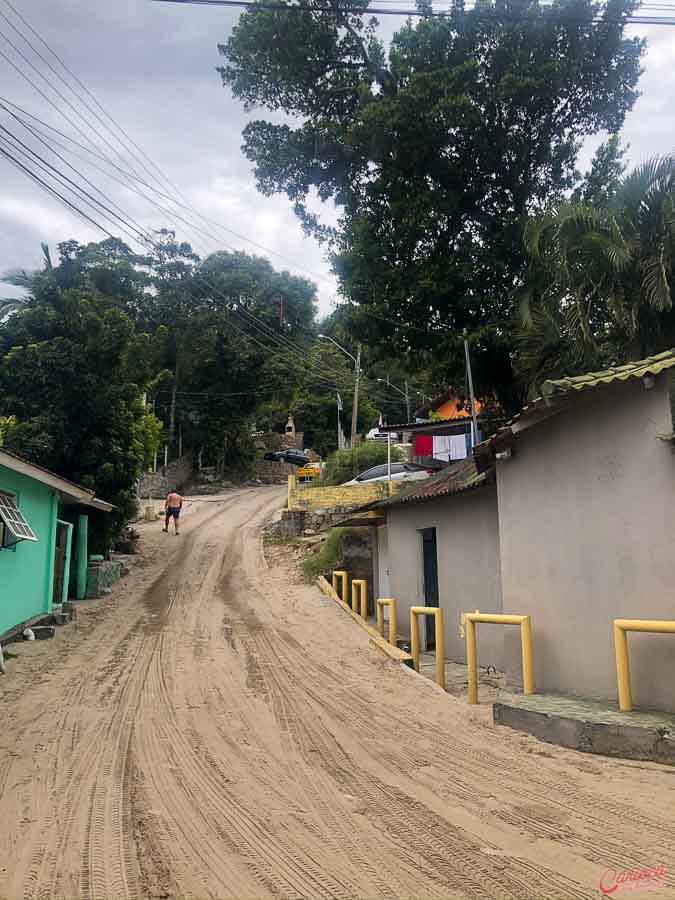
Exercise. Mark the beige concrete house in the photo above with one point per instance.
(438, 545)
(586, 500)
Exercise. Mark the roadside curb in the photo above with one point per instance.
(376, 639)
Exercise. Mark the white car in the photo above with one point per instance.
(399, 472)
(376, 435)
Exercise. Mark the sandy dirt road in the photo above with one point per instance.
(212, 731)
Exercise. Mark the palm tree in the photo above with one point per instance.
(25, 280)
(599, 284)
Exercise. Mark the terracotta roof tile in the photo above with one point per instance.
(456, 479)
(652, 365)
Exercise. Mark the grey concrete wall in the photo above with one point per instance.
(468, 565)
(166, 478)
(587, 533)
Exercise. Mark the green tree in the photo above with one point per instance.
(72, 372)
(601, 277)
(434, 149)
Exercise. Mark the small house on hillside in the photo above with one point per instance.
(441, 431)
(39, 512)
(437, 544)
(586, 498)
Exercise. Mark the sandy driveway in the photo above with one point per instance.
(212, 731)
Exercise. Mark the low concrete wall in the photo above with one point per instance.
(352, 496)
(166, 478)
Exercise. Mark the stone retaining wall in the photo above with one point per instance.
(271, 472)
(165, 479)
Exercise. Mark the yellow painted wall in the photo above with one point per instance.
(317, 497)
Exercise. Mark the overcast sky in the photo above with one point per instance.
(152, 66)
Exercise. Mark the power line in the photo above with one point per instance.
(413, 13)
(260, 326)
(133, 155)
(46, 167)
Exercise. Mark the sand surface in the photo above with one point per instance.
(215, 729)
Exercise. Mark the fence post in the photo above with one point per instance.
(339, 573)
(360, 585)
(380, 603)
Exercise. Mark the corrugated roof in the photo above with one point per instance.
(78, 493)
(652, 365)
(456, 479)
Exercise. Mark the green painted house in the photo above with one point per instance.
(43, 527)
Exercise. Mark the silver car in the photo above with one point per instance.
(399, 472)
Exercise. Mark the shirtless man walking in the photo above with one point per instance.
(172, 508)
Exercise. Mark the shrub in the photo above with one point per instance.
(328, 556)
(347, 464)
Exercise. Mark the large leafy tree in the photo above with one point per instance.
(72, 372)
(234, 328)
(600, 285)
(434, 149)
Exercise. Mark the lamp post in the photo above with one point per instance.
(357, 371)
(405, 393)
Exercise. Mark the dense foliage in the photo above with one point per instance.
(72, 374)
(435, 150)
(111, 355)
(600, 285)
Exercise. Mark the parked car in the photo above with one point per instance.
(376, 435)
(399, 472)
(294, 457)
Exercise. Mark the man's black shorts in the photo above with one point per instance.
(172, 513)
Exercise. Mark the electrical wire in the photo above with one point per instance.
(127, 137)
(260, 326)
(412, 13)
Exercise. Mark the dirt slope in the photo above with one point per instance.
(212, 731)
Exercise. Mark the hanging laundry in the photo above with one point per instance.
(458, 446)
(424, 445)
(441, 447)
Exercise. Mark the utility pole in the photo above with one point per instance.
(474, 418)
(407, 400)
(355, 408)
(339, 424)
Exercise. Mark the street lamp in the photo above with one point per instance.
(405, 393)
(357, 370)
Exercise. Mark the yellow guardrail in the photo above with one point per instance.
(437, 613)
(380, 603)
(621, 627)
(468, 626)
(340, 574)
(360, 585)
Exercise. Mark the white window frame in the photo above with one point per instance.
(6, 529)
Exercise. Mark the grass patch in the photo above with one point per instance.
(327, 557)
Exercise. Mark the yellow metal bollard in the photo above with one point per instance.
(380, 603)
(468, 626)
(437, 613)
(360, 584)
(621, 627)
(339, 573)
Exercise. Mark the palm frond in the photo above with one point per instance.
(655, 282)
(20, 278)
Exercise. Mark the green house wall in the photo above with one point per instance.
(26, 570)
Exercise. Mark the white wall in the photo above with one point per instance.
(468, 564)
(587, 534)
